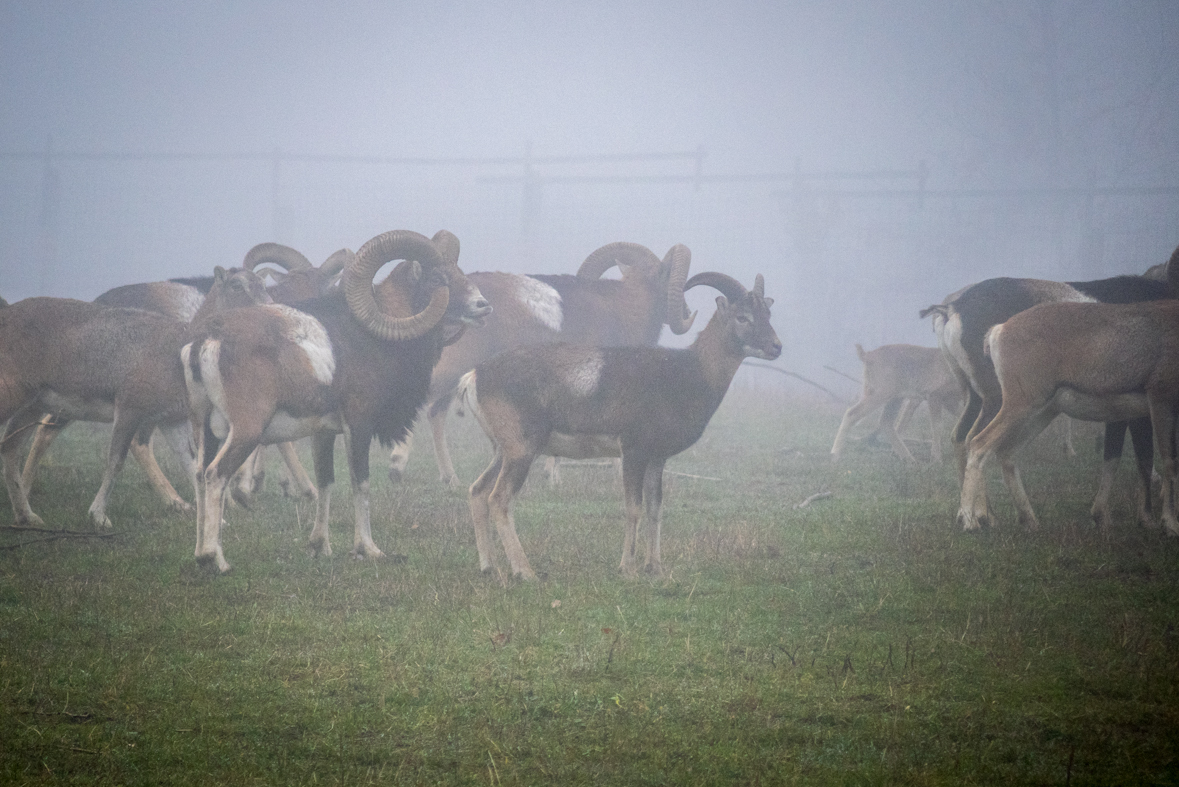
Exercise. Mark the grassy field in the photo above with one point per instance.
(863, 639)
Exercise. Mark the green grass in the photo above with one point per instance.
(863, 639)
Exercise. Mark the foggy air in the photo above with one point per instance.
(868, 159)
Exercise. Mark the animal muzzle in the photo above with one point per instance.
(477, 312)
(767, 351)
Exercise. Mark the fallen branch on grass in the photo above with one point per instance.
(812, 498)
(689, 475)
(795, 375)
(608, 462)
(54, 535)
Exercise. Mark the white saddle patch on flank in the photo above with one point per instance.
(312, 338)
(182, 301)
(541, 300)
(582, 379)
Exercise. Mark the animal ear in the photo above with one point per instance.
(768, 302)
(722, 304)
(218, 273)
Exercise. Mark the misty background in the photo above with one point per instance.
(867, 158)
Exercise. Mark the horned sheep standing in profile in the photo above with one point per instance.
(656, 401)
(356, 361)
(542, 309)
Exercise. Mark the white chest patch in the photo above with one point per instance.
(582, 379)
(311, 337)
(541, 300)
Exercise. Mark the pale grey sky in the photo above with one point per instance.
(1010, 94)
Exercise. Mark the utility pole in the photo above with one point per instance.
(275, 184)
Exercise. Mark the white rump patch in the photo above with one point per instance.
(582, 379)
(541, 300)
(950, 339)
(309, 333)
(210, 366)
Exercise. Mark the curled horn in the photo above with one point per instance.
(337, 262)
(727, 285)
(448, 246)
(679, 316)
(276, 254)
(358, 290)
(618, 253)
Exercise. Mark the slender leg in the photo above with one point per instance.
(323, 453)
(47, 432)
(356, 443)
(10, 448)
(893, 425)
(122, 434)
(1069, 448)
(480, 511)
(141, 450)
(653, 501)
(1142, 435)
(935, 429)
(248, 478)
(856, 413)
(1163, 420)
(513, 473)
(633, 473)
(437, 416)
(234, 451)
(902, 411)
(179, 438)
(960, 435)
(1115, 438)
(301, 481)
(552, 469)
(1012, 428)
(399, 458)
